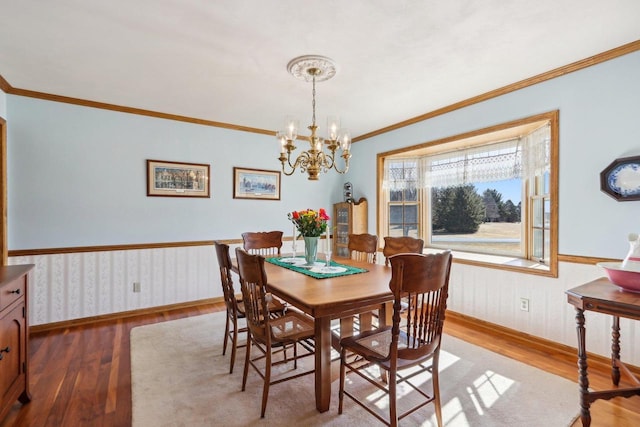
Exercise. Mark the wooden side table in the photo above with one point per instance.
(604, 297)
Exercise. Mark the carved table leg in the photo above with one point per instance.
(583, 380)
(615, 350)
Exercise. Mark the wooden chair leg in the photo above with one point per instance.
(267, 381)
(436, 390)
(226, 335)
(393, 410)
(247, 359)
(343, 359)
(234, 345)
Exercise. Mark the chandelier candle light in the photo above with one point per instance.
(314, 68)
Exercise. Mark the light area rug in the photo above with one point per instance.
(180, 378)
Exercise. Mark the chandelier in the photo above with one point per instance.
(321, 156)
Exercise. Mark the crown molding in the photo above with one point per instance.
(4, 85)
(131, 110)
(561, 71)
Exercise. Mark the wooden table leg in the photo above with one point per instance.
(366, 321)
(615, 350)
(323, 363)
(386, 314)
(346, 326)
(583, 380)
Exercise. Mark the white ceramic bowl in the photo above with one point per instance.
(627, 279)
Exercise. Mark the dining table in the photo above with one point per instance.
(325, 299)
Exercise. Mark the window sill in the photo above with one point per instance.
(500, 262)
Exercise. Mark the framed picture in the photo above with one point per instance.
(621, 179)
(256, 184)
(174, 179)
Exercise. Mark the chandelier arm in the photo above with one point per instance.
(332, 148)
(346, 156)
(302, 161)
(327, 161)
(287, 173)
(292, 166)
(286, 159)
(321, 161)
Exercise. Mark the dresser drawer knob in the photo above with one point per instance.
(17, 291)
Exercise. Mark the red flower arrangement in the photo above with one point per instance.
(310, 223)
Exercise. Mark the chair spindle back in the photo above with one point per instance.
(424, 280)
(401, 245)
(363, 247)
(265, 243)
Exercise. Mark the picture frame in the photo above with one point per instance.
(256, 184)
(177, 179)
(621, 179)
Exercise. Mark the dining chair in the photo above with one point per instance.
(401, 245)
(362, 247)
(412, 341)
(235, 307)
(265, 243)
(293, 329)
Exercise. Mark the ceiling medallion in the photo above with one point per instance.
(308, 66)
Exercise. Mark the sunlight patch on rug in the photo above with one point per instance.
(180, 378)
(490, 387)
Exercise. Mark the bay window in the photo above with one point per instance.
(490, 195)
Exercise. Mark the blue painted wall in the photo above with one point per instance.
(77, 177)
(599, 115)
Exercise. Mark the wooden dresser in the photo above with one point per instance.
(14, 336)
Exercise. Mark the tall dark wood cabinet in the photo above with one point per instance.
(348, 218)
(14, 337)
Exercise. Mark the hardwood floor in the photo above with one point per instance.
(80, 376)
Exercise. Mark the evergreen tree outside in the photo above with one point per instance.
(457, 209)
(441, 200)
(460, 209)
(511, 212)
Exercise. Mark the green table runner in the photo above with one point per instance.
(317, 272)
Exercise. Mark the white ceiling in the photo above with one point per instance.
(225, 60)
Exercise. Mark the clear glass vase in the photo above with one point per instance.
(310, 249)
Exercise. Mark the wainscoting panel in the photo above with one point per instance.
(86, 284)
(494, 296)
(70, 286)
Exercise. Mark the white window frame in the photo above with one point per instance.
(403, 202)
(532, 184)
